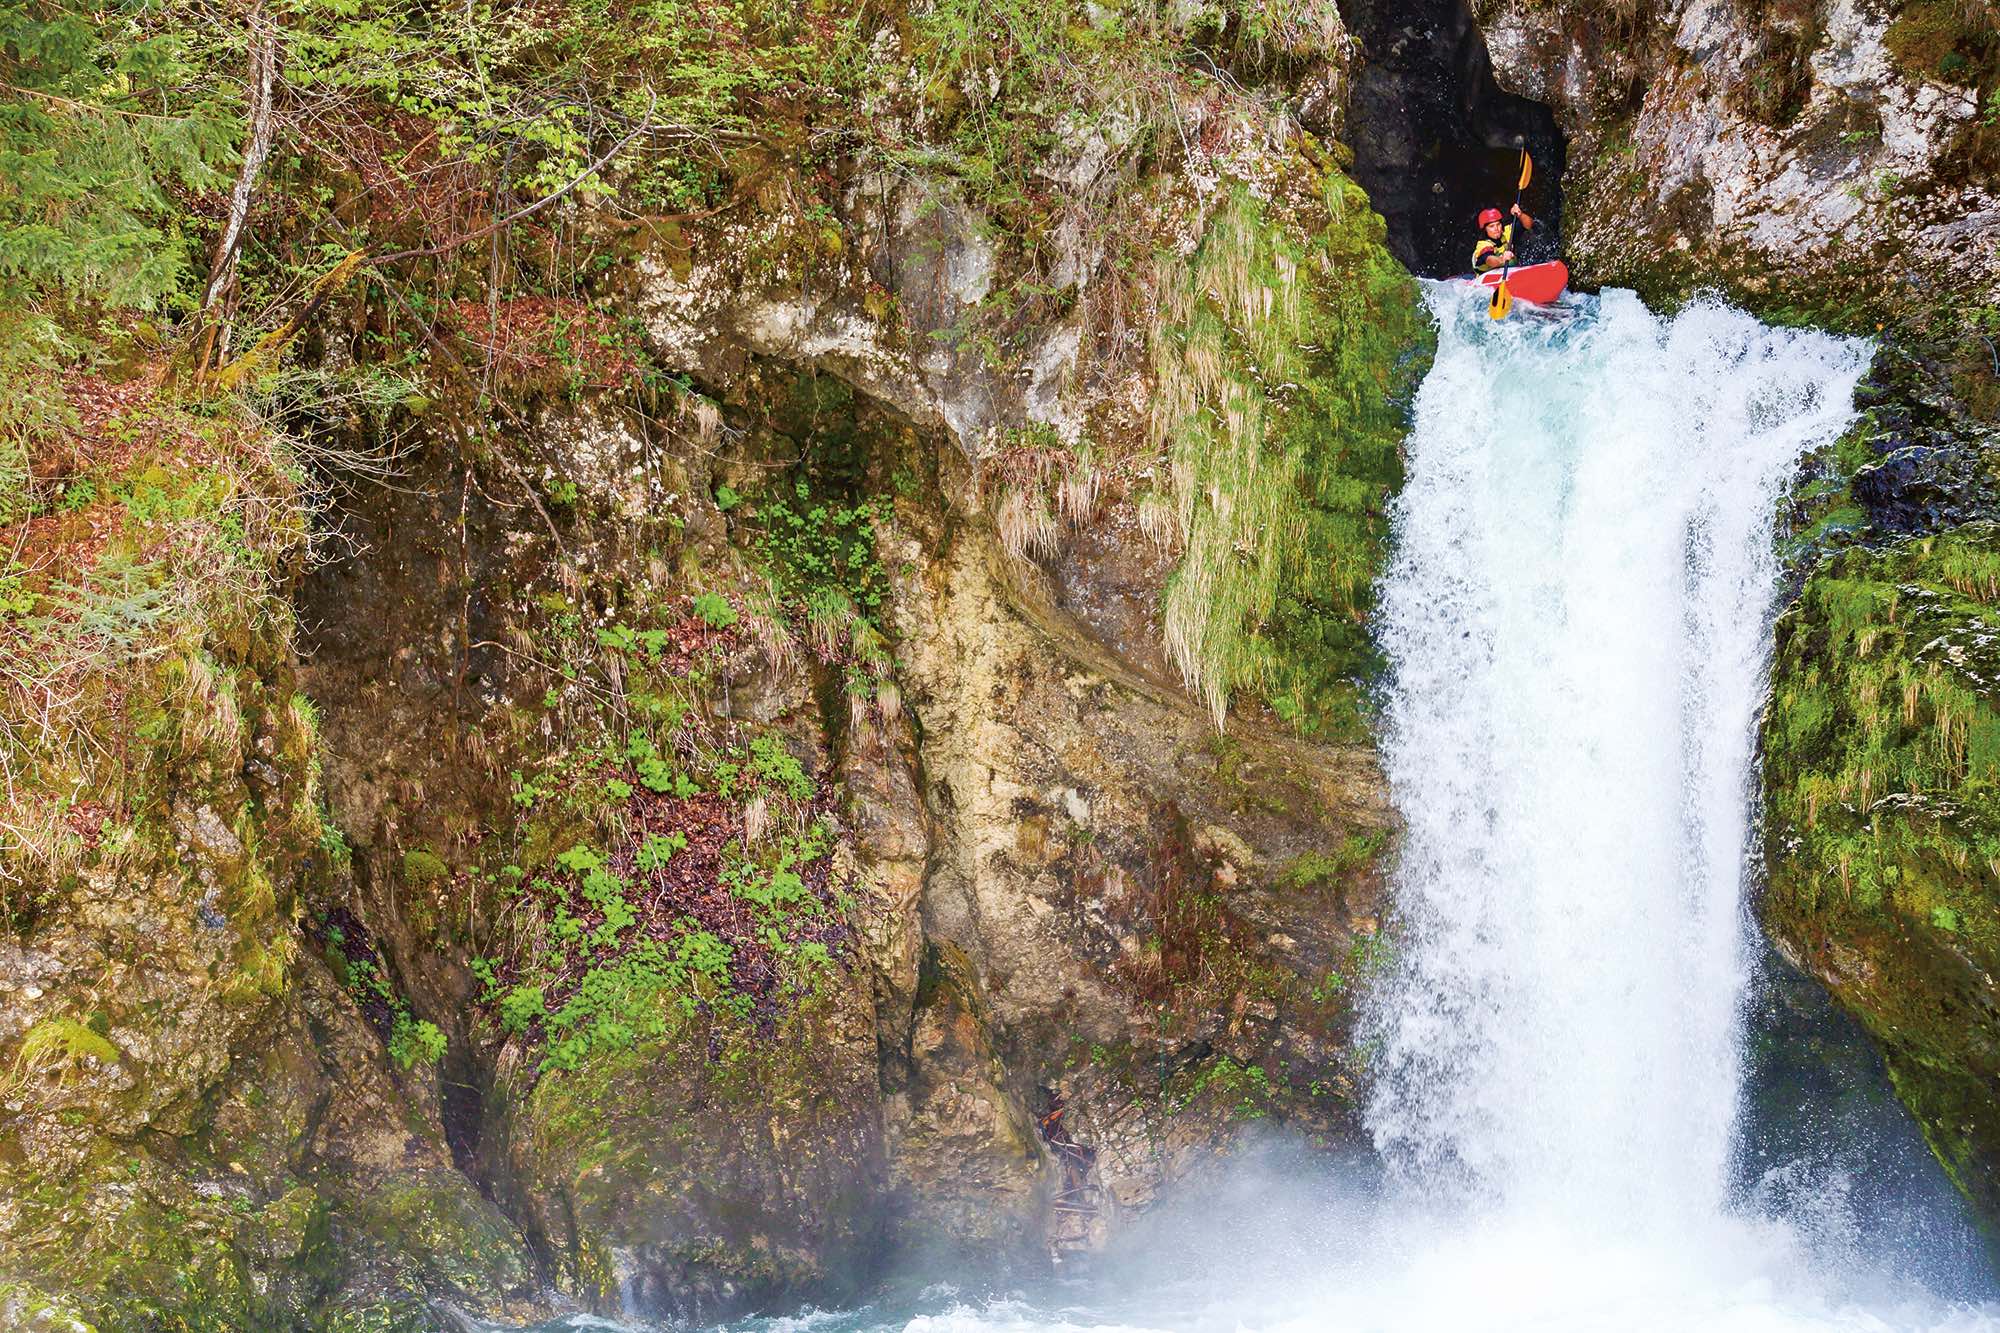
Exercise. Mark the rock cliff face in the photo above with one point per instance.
(851, 747)
(1880, 756)
(1834, 163)
(844, 736)
(203, 1129)
(1053, 939)
(1834, 159)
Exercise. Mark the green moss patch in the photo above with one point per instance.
(1950, 40)
(738, 1153)
(1882, 765)
(1285, 352)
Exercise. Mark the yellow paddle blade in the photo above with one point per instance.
(1503, 301)
(1527, 168)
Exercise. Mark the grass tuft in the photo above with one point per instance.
(58, 1046)
(1279, 366)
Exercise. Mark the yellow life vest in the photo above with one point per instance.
(1486, 247)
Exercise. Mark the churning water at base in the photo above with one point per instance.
(1577, 618)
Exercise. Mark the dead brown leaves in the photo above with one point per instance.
(530, 338)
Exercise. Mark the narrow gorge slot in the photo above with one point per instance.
(1435, 137)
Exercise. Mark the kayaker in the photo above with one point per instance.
(1493, 251)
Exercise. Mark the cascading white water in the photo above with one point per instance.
(1577, 616)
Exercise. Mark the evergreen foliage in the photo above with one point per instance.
(110, 113)
(105, 117)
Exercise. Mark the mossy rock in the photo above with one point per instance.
(1282, 501)
(26, 1309)
(423, 868)
(719, 1167)
(1882, 766)
(432, 1225)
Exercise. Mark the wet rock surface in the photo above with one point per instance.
(218, 1129)
(1436, 138)
(1828, 157)
(1080, 941)
(1879, 843)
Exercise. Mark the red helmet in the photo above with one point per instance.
(1489, 215)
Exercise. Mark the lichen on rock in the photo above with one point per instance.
(1809, 158)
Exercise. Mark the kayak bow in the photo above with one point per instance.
(1541, 283)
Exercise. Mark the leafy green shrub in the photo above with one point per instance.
(333, 842)
(522, 1007)
(16, 599)
(777, 889)
(1245, 1088)
(655, 772)
(715, 610)
(811, 546)
(658, 849)
(771, 762)
(624, 949)
(617, 1005)
(415, 1041)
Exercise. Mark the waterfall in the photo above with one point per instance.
(1577, 616)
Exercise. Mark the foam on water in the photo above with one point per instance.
(1577, 617)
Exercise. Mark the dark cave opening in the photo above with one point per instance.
(1436, 139)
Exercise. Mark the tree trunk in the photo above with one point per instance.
(256, 148)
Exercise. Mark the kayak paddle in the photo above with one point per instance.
(1503, 300)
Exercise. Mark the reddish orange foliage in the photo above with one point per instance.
(529, 337)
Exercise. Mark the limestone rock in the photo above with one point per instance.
(1794, 149)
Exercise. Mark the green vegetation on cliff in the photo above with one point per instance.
(1285, 356)
(247, 270)
(1882, 762)
(139, 589)
(163, 811)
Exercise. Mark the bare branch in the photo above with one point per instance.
(427, 251)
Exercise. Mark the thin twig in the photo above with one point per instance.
(88, 107)
(428, 251)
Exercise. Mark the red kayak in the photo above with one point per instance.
(1541, 283)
